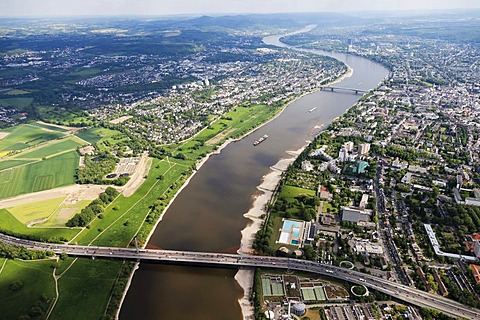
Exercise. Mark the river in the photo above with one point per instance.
(208, 214)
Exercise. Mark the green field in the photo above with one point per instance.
(35, 211)
(86, 72)
(290, 192)
(7, 164)
(85, 289)
(104, 138)
(16, 303)
(16, 102)
(42, 175)
(9, 223)
(52, 148)
(23, 136)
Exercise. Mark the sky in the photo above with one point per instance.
(12, 8)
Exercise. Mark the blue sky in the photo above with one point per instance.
(168, 7)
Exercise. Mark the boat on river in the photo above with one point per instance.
(313, 109)
(257, 142)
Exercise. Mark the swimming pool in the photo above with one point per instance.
(290, 224)
(291, 232)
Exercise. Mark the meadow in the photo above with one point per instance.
(15, 303)
(85, 289)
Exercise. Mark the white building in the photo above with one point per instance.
(343, 155)
(348, 146)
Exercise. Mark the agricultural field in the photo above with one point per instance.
(52, 148)
(45, 174)
(24, 136)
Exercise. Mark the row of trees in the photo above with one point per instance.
(14, 252)
(94, 209)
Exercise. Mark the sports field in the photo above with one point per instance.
(41, 175)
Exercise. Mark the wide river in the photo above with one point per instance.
(208, 214)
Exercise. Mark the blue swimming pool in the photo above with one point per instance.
(288, 225)
(296, 232)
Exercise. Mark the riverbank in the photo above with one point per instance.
(267, 187)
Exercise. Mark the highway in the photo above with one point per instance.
(396, 290)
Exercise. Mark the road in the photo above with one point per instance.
(399, 291)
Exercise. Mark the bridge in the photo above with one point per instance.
(331, 88)
(396, 290)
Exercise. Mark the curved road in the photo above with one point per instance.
(401, 292)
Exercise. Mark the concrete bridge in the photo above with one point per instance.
(404, 293)
(341, 89)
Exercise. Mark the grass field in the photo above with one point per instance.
(31, 274)
(42, 175)
(104, 138)
(85, 289)
(23, 136)
(8, 222)
(290, 192)
(35, 211)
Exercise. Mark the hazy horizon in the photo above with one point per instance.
(59, 8)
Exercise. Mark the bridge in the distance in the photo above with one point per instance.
(342, 89)
(396, 290)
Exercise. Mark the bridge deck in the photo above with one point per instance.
(399, 291)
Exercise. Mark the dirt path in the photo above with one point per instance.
(3, 135)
